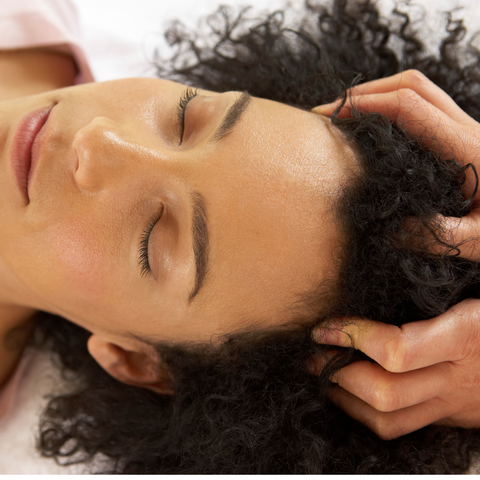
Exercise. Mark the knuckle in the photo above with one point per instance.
(396, 359)
(470, 310)
(415, 79)
(467, 321)
(385, 398)
(474, 140)
(408, 98)
(386, 429)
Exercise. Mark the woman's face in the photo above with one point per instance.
(241, 204)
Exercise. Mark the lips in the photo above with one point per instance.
(25, 147)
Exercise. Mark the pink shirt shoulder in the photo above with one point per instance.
(44, 23)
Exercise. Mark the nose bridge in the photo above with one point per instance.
(103, 154)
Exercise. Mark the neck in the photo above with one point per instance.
(16, 322)
(12, 291)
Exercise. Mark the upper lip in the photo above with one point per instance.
(25, 146)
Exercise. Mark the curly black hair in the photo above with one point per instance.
(249, 405)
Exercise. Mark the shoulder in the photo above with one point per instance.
(45, 26)
(15, 326)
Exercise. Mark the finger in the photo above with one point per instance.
(448, 337)
(464, 232)
(386, 391)
(327, 109)
(412, 80)
(431, 126)
(315, 363)
(391, 425)
(420, 84)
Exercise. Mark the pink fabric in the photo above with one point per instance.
(44, 23)
(9, 391)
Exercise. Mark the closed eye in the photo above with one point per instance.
(144, 240)
(187, 95)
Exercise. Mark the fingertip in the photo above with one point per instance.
(337, 395)
(334, 378)
(325, 336)
(324, 109)
(315, 364)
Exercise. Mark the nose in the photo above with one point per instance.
(103, 154)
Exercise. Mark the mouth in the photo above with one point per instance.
(25, 147)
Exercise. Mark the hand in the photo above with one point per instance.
(416, 104)
(426, 371)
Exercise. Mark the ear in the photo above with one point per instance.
(137, 368)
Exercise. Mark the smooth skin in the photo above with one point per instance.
(111, 159)
(426, 372)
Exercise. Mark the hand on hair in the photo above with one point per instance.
(426, 372)
(417, 105)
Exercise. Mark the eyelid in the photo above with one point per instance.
(187, 95)
(143, 250)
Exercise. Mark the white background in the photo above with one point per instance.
(121, 35)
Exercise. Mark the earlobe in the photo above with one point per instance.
(131, 367)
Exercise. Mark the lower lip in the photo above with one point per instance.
(21, 149)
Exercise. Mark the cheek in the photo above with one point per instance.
(71, 264)
(80, 258)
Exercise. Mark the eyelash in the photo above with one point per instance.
(187, 95)
(143, 247)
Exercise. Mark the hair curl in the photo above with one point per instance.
(249, 406)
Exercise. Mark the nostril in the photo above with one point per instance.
(97, 149)
(85, 176)
(83, 146)
(75, 162)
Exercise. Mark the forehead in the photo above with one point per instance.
(273, 231)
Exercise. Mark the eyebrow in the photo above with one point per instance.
(232, 117)
(200, 235)
(201, 244)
